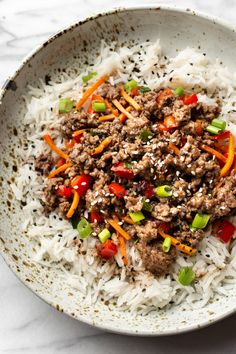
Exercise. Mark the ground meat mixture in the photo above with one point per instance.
(143, 153)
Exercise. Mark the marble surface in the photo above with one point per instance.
(27, 324)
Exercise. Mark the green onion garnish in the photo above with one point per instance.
(130, 85)
(164, 191)
(98, 106)
(144, 89)
(65, 105)
(137, 216)
(166, 244)
(186, 276)
(147, 206)
(104, 235)
(213, 130)
(179, 91)
(200, 221)
(128, 165)
(88, 77)
(218, 123)
(84, 228)
(146, 135)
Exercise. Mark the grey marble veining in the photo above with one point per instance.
(27, 324)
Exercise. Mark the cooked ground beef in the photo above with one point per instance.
(44, 163)
(193, 174)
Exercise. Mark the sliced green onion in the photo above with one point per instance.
(88, 77)
(166, 244)
(130, 85)
(179, 91)
(218, 123)
(164, 191)
(144, 89)
(128, 165)
(65, 105)
(104, 235)
(146, 135)
(213, 130)
(200, 221)
(186, 276)
(84, 228)
(137, 216)
(98, 106)
(147, 206)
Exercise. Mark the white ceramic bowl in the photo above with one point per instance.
(176, 29)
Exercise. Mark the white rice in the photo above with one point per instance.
(215, 266)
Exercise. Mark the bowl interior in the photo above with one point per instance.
(75, 48)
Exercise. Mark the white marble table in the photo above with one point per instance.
(27, 324)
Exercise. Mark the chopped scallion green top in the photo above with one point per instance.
(166, 244)
(164, 191)
(98, 106)
(130, 85)
(186, 276)
(200, 221)
(146, 135)
(144, 89)
(65, 105)
(88, 77)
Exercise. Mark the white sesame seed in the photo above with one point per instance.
(94, 233)
(83, 184)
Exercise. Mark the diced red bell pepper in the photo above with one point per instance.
(163, 94)
(107, 249)
(170, 123)
(190, 99)
(165, 226)
(225, 231)
(148, 189)
(134, 92)
(95, 216)
(77, 138)
(60, 162)
(222, 136)
(117, 189)
(121, 171)
(64, 191)
(81, 184)
(90, 108)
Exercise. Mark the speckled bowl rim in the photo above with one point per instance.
(7, 85)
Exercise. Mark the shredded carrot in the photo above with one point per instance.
(48, 140)
(114, 223)
(230, 158)
(122, 109)
(69, 144)
(213, 152)
(109, 106)
(74, 204)
(174, 148)
(122, 247)
(102, 146)
(127, 219)
(180, 246)
(60, 169)
(78, 132)
(130, 100)
(107, 118)
(122, 116)
(90, 90)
